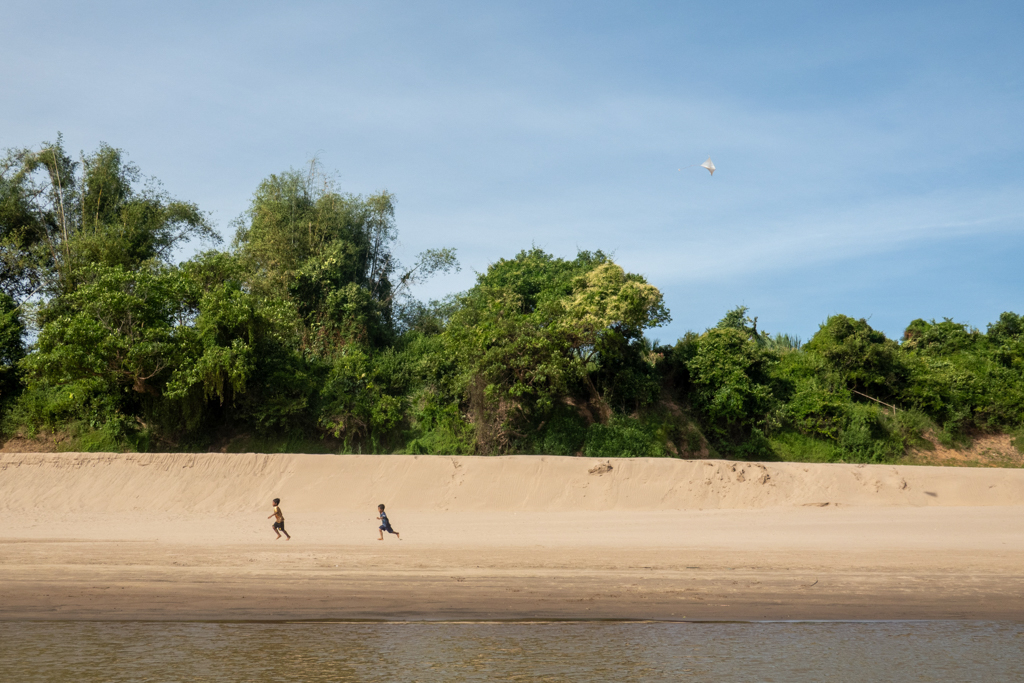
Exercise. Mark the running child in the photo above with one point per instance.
(279, 523)
(385, 525)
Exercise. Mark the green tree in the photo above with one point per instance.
(531, 332)
(332, 254)
(104, 359)
(861, 358)
(58, 216)
(240, 365)
(965, 380)
(731, 388)
(119, 328)
(1006, 341)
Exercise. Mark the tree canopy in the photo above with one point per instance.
(305, 331)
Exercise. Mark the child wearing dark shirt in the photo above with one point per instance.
(385, 525)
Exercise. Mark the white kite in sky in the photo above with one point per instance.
(707, 164)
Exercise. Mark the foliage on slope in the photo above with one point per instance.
(304, 335)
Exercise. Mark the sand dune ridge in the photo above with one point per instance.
(215, 482)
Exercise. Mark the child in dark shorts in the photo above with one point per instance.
(385, 525)
(279, 522)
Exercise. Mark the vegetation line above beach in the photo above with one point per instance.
(304, 334)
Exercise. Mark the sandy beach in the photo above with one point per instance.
(185, 536)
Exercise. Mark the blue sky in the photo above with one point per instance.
(869, 154)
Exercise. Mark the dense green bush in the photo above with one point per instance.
(860, 358)
(564, 434)
(536, 330)
(732, 388)
(622, 437)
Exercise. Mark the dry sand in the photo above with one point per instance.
(185, 536)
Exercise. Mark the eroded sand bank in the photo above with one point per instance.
(185, 536)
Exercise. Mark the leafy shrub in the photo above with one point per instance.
(623, 437)
(363, 396)
(866, 437)
(965, 381)
(54, 407)
(564, 434)
(731, 388)
(536, 329)
(627, 378)
(440, 429)
(875, 436)
(1009, 327)
(793, 446)
(860, 357)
